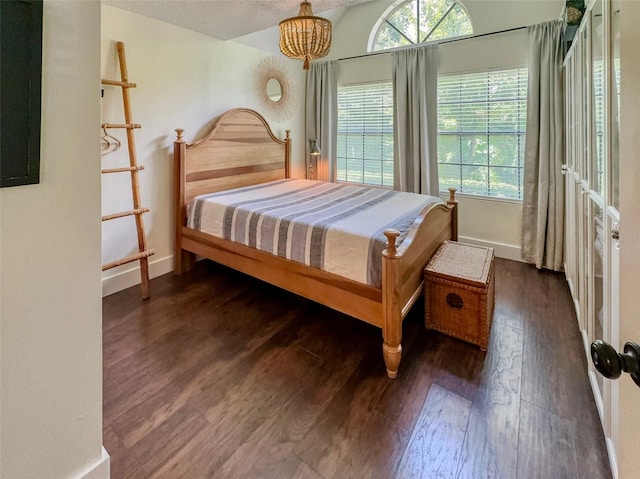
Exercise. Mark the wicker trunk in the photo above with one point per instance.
(460, 291)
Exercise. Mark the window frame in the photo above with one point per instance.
(397, 5)
(487, 71)
(388, 83)
(442, 186)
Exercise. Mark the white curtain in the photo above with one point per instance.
(543, 192)
(322, 115)
(415, 92)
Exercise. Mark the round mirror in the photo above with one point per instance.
(274, 89)
(275, 92)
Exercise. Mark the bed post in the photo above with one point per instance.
(183, 260)
(287, 154)
(452, 202)
(391, 309)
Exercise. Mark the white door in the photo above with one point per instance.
(627, 407)
(612, 218)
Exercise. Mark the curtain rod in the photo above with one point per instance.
(435, 43)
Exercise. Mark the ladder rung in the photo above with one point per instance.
(124, 84)
(138, 211)
(128, 126)
(128, 259)
(120, 170)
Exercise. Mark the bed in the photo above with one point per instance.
(241, 164)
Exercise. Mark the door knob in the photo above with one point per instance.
(611, 364)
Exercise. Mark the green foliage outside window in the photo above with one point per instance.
(481, 132)
(419, 21)
(365, 134)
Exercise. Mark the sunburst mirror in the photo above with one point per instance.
(276, 92)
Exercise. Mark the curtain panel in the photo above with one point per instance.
(415, 128)
(322, 116)
(543, 190)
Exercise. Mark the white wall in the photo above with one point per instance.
(487, 222)
(50, 304)
(184, 80)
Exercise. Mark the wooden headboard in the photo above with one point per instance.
(239, 150)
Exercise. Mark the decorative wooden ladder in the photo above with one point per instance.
(143, 253)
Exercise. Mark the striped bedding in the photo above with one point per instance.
(335, 227)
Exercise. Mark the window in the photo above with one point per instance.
(365, 134)
(409, 22)
(481, 132)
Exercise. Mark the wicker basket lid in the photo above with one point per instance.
(462, 261)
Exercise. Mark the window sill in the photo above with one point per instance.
(444, 195)
(355, 183)
(491, 199)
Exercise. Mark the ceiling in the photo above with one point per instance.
(226, 19)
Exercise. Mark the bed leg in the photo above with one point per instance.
(392, 355)
(392, 320)
(184, 261)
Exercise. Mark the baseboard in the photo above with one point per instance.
(571, 288)
(501, 250)
(572, 291)
(131, 277)
(593, 382)
(597, 397)
(612, 457)
(101, 469)
(596, 394)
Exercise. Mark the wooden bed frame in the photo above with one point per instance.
(241, 150)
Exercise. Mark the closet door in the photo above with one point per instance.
(611, 213)
(583, 161)
(604, 214)
(595, 226)
(592, 67)
(569, 172)
(613, 174)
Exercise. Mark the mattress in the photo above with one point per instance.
(336, 227)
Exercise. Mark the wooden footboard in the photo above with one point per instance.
(241, 150)
(402, 271)
(350, 297)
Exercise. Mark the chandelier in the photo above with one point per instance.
(305, 37)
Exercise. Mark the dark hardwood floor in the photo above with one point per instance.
(222, 376)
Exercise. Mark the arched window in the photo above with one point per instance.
(409, 22)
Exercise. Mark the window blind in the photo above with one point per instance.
(365, 134)
(481, 132)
